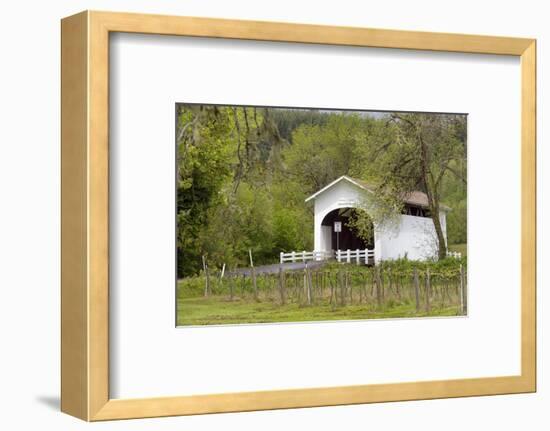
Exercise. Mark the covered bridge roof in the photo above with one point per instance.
(416, 198)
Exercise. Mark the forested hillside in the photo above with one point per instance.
(243, 174)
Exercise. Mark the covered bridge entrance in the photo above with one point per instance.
(347, 238)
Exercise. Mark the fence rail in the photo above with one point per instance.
(358, 256)
(365, 256)
(303, 256)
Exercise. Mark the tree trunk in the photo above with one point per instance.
(441, 243)
(433, 199)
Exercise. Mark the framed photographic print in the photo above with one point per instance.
(266, 215)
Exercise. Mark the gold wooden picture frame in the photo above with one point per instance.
(85, 215)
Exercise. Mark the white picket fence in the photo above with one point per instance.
(358, 256)
(303, 256)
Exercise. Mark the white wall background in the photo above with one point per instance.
(413, 236)
(29, 214)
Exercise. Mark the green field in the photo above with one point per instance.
(332, 292)
(218, 310)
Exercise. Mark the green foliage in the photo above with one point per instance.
(361, 223)
(454, 190)
(204, 146)
(321, 153)
(232, 189)
(338, 291)
(192, 287)
(417, 151)
(445, 267)
(243, 175)
(288, 230)
(288, 120)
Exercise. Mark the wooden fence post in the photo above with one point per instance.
(207, 277)
(390, 283)
(428, 291)
(361, 287)
(332, 293)
(463, 297)
(307, 280)
(220, 280)
(304, 290)
(379, 287)
(266, 290)
(349, 286)
(351, 281)
(416, 290)
(342, 288)
(398, 287)
(253, 275)
(231, 287)
(282, 285)
(366, 288)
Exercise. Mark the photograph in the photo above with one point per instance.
(301, 214)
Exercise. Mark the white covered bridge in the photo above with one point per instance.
(412, 234)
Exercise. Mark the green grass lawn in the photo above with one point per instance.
(460, 248)
(218, 310)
